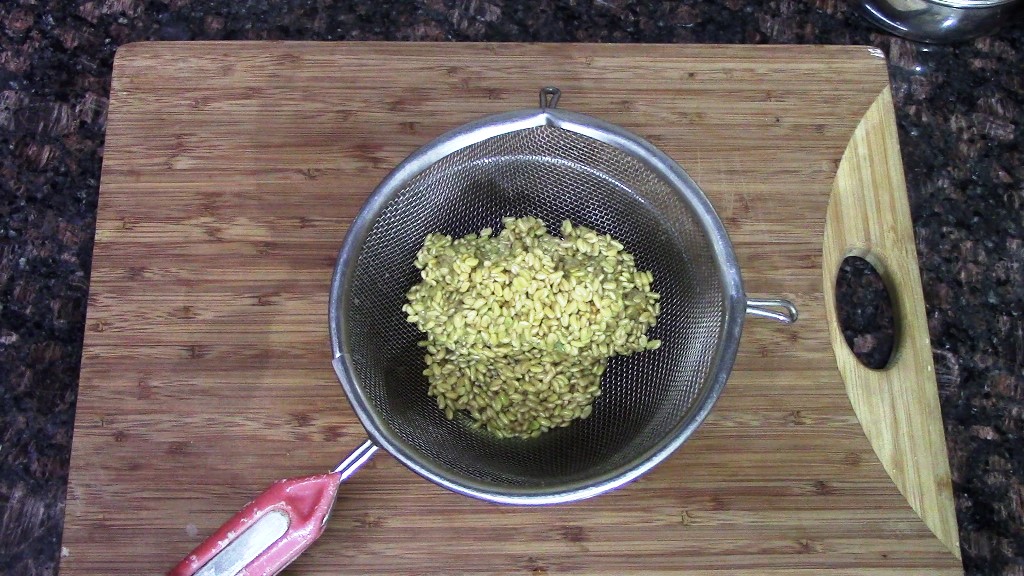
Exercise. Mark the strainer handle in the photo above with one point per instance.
(777, 309)
(275, 528)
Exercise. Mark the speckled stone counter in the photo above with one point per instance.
(960, 111)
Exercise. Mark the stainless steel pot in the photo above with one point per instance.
(939, 21)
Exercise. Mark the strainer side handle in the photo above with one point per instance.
(778, 309)
(275, 528)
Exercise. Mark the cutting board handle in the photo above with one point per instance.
(898, 406)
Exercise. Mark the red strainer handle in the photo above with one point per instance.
(275, 528)
(268, 533)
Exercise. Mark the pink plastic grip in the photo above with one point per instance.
(306, 501)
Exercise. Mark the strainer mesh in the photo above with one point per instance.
(553, 174)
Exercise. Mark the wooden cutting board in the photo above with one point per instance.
(230, 175)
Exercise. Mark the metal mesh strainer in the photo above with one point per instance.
(553, 165)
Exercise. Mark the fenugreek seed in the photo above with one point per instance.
(520, 324)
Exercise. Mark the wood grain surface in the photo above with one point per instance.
(898, 405)
(231, 172)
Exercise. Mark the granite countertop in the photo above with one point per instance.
(960, 111)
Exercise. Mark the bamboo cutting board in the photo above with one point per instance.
(230, 175)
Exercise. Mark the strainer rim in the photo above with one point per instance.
(734, 302)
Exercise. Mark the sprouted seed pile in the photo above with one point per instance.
(520, 325)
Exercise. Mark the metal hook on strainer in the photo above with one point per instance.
(549, 96)
(554, 165)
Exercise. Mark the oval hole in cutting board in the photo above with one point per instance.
(865, 312)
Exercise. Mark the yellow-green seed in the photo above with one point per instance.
(520, 324)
